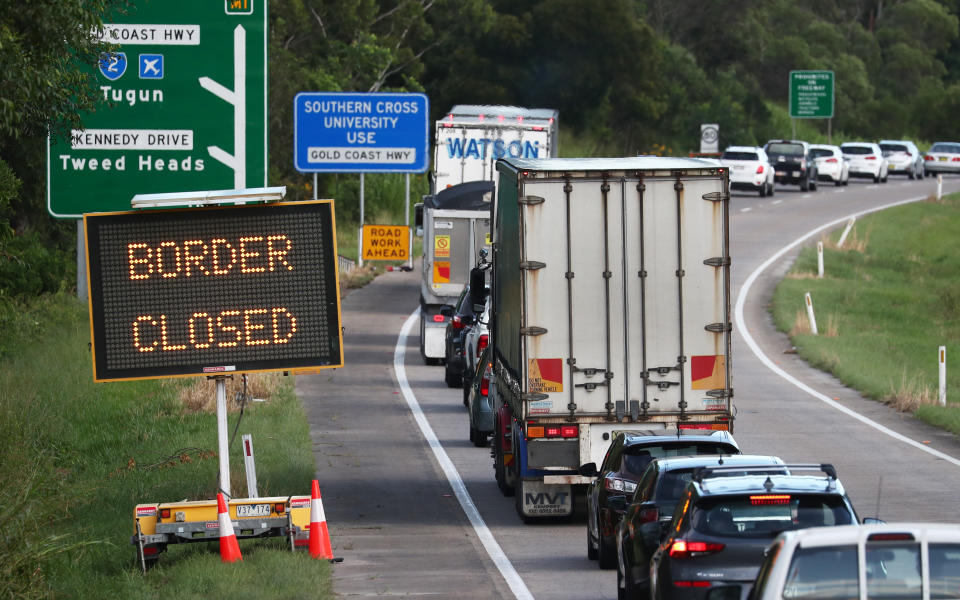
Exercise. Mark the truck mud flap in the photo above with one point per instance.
(537, 500)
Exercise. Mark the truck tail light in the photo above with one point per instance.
(553, 431)
(482, 342)
(438, 318)
(685, 549)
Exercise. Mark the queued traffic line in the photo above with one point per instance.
(741, 325)
(496, 553)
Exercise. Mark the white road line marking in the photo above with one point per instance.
(805, 196)
(776, 202)
(741, 325)
(490, 544)
(839, 191)
(747, 209)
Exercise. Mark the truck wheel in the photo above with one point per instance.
(423, 336)
(500, 470)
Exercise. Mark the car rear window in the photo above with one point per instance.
(739, 156)
(944, 571)
(893, 570)
(949, 148)
(894, 148)
(858, 150)
(766, 515)
(636, 458)
(818, 152)
(828, 573)
(781, 148)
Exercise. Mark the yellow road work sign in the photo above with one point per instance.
(386, 242)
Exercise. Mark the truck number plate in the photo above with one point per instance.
(253, 510)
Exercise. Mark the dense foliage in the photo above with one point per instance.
(628, 76)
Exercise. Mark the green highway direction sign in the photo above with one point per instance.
(183, 108)
(811, 94)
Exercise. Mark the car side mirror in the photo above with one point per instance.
(446, 310)
(589, 470)
(617, 503)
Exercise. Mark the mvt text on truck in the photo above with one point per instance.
(611, 311)
(470, 138)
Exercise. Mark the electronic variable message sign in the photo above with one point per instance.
(182, 106)
(197, 291)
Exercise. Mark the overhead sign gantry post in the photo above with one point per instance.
(342, 132)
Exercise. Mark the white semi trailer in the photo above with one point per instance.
(611, 311)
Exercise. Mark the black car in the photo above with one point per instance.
(628, 455)
(792, 163)
(462, 316)
(646, 520)
(723, 526)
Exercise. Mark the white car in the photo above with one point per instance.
(942, 157)
(866, 160)
(890, 560)
(474, 341)
(903, 157)
(749, 169)
(831, 165)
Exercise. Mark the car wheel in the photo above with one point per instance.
(451, 378)
(838, 182)
(591, 550)
(479, 439)
(466, 396)
(884, 179)
(632, 590)
(771, 189)
(912, 174)
(763, 190)
(876, 178)
(805, 185)
(606, 553)
(813, 185)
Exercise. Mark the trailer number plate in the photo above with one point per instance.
(253, 510)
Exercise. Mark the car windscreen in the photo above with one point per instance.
(787, 149)
(944, 571)
(818, 152)
(888, 148)
(828, 573)
(763, 515)
(948, 148)
(636, 458)
(739, 156)
(858, 150)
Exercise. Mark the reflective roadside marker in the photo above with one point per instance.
(250, 466)
(820, 260)
(813, 320)
(846, 230)
(943, 376)
(939, 186)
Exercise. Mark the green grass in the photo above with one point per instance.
(78, 455)
(887, 301)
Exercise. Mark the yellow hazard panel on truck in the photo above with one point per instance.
(441, 272)
(545, 375)
(441, 246)
(708, 372)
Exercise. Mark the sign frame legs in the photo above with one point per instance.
(223, 442)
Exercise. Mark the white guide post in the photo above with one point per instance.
(820, 260)
(939, 186)
(846, 231)
(238, 98)
(813, 319)
(360, 233)
(943, 376)
(250, 465)
(223, 444)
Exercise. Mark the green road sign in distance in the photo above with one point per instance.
(183, 108)
(811, 94)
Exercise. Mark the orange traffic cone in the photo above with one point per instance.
(319, 535)
(229, 548)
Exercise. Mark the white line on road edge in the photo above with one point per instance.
(490, 544)
(747, 209)
(741, 299)
(776, 201)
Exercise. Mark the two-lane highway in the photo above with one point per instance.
(386, 473)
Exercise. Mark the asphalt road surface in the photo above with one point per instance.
(402, 526)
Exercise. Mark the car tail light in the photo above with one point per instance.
(612, 483)
(830, 160)
(456, 322)
(482, 342)
(890, 537)
(685, 549)
(955, 159)
(692, 584)
(484, 385)
(438, 318)
(927, 157)
(871, 158)
(649, 515)
(759, 169)
(770, 499)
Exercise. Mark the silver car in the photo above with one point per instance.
(942, 157)
(903, 158)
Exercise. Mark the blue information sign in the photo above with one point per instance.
(339, 132)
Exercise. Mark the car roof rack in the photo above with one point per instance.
(829, 470)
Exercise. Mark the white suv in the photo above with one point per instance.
(831, 164)
(866, 160)
(749, 169)
(890, 560)
(904, 157)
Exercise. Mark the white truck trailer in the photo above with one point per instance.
(455, 224)
(470, 138)
(611, 312)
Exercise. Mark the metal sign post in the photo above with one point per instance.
(223, 441)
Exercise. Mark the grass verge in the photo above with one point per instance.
(77, 456)
(889, 298)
